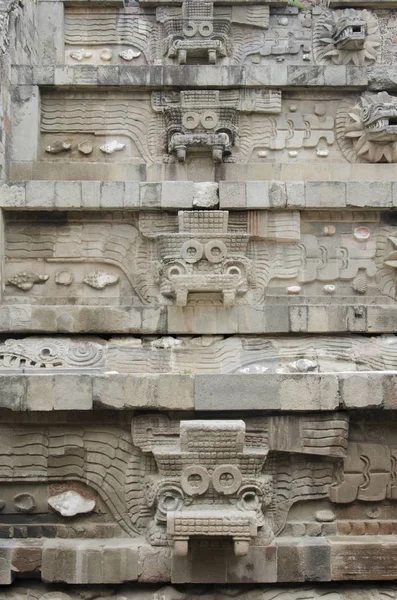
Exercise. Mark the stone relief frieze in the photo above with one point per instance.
(52, 353)
(164, 483)
(213, 481)
(178, 482)
(108, 36)
(195, 32)
(150, 259)
(200, 257)
(175, 481)
(202, 354)
(238, 126)
(37, 591)
(198, 119)
(144, 128)
(202, 32)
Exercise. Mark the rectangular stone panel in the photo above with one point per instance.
(214, 258)
(315, 505)
(99, 134)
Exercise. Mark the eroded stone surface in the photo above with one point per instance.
(183, 183)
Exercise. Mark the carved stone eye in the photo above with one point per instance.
(365, 113)
(249, 500)
(209, 119)
(190, 119)
(190, 29)
(226, 479)
(192, 251)
(169, 500)
(175, 269)
(215, 251)
(195, 480)
(205, 29)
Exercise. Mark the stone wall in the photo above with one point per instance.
(198, 253)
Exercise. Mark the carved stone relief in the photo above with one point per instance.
(228, 491)
(345, 37)
(178, 480)
(367, 128)
(202, 354)
(93, 126)
(164, 483)
(37, 591)
(52, 353)
(108, 36)
(238, 126)
(229, 34)
(196, 257)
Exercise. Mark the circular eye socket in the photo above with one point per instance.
(209, 119)
(234, 271)
(168, 500)
(195, 480)
(192, 251)
(190, 119)
(175, 270)
(215, 251)
(250, 500)
(226, 479)
(47, 353)
(205, 29)
(190, 29)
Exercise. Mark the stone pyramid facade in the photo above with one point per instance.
(198, 264)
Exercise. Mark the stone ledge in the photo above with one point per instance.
(239, 195)
(171, 391)
(119, 560)
(199, 320)
(273, 75)
(184, 195)
(97, 195)
(362, 3)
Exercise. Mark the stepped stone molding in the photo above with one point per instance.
(252, 76)
(268, 319)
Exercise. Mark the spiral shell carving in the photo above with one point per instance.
(84, 354)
